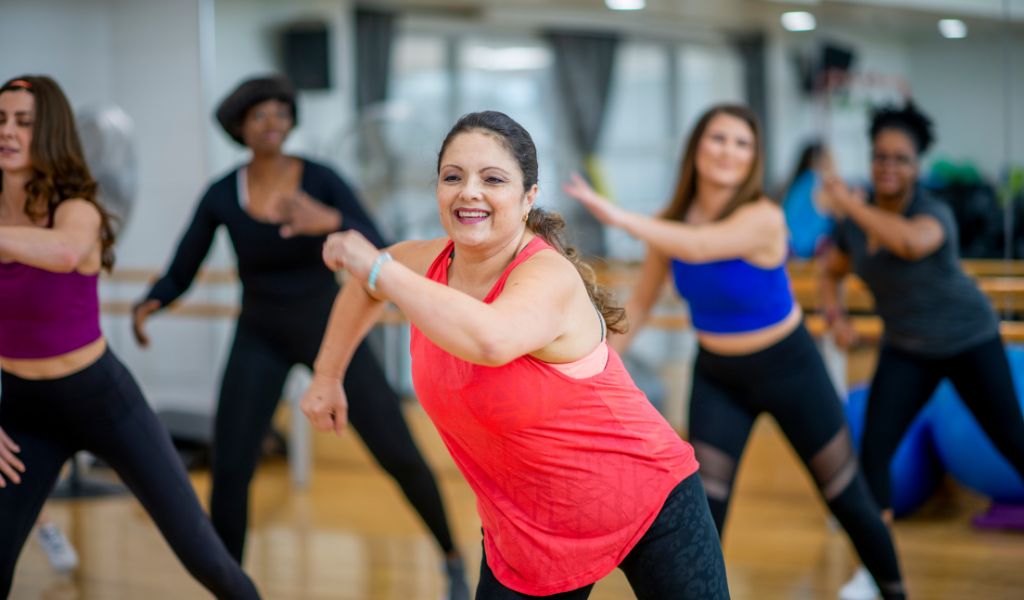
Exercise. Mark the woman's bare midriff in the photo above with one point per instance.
(54, 367)
(737, 344)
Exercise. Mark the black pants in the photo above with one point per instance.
(679, 557)
(101, 409)
(788, 381)
(271, 338)
(904, 382)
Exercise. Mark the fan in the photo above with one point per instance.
(107, 134)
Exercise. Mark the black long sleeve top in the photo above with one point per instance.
(270, 267)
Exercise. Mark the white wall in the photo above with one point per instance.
(76, 51)
(962, 84)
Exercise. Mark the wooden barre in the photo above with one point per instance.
(148, 276)
(868, 327)
(616, 272)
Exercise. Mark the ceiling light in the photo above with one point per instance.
(625, 4)
(798, 21)
(953, 29)
(509, 59)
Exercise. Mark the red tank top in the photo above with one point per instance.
(568, 473)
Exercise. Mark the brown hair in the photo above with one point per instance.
(548, 225)
(686, 188)
(59, 170)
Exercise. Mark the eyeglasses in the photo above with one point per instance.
(897, 160)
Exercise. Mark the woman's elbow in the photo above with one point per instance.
(692, 253)
(913, 252)
(65, 259)
(493, 348)
(494, 353)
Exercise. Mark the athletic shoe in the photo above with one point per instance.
(58, 549)
(860, 587)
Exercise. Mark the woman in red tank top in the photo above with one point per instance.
(575, 472)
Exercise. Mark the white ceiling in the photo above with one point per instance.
(901, 16)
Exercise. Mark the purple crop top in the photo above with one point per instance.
(44, 314)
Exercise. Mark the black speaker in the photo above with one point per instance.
(835, 57)
(828, 67)
(305, 55)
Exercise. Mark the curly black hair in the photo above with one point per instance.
(907, 119)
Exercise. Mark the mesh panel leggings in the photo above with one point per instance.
(101, 409)
(788, 381)
(269, 340)
(904, 382)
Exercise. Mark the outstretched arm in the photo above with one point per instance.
(749, 231)
(189, 256)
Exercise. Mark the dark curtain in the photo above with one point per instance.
(583, 66)
(375, 32)
(752, 49)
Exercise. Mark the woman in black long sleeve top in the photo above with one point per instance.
(277, 210)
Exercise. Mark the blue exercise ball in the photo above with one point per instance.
(915, 471)
(965, 449)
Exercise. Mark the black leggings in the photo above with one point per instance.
(904, 382)
(269, 340)
(788, 381)
(101, 409)
(679, 557)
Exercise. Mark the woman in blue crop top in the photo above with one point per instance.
(62, 389)
(725, 244)
(938, 324)
(278, 210)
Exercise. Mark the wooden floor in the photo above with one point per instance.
(351, 536)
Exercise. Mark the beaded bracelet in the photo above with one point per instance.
(371, 281)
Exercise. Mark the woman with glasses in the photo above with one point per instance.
(938, 324)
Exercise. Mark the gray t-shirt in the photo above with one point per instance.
(929, 306)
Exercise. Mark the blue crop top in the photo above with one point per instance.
(733, 296)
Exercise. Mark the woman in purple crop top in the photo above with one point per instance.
(726, 245)
(62, 389)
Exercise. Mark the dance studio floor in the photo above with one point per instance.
(351, 536)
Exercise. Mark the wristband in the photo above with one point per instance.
(371, 281)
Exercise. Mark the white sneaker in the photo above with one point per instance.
(59, 550)
(860, 587)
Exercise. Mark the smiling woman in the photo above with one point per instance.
(575, 472)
